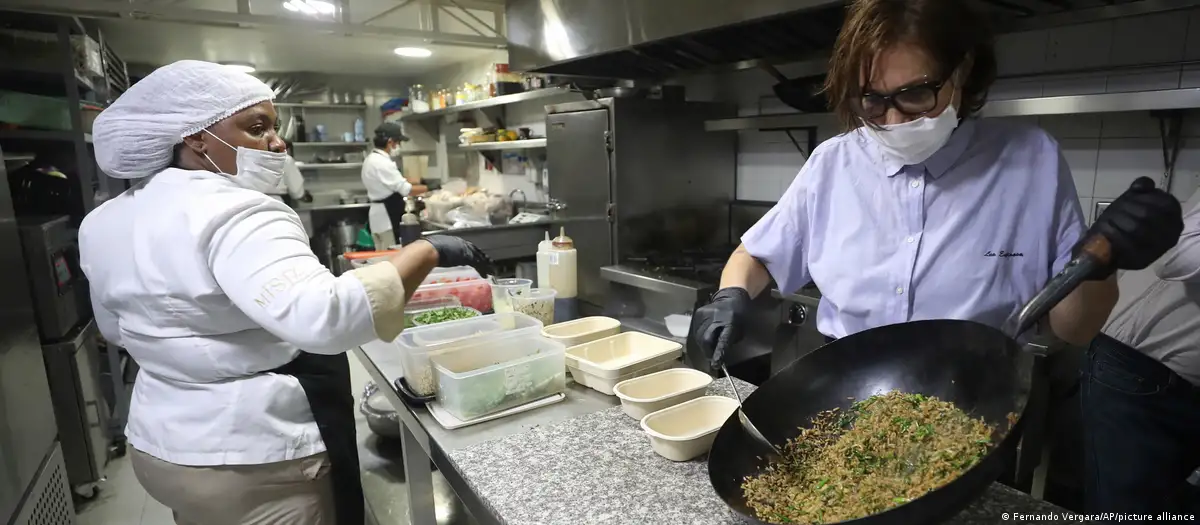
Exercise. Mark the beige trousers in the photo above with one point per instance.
(296, 492)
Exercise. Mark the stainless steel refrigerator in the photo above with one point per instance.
(33, 481)
(639, 176)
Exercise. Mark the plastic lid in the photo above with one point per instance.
(562, 242)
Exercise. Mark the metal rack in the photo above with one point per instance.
(502, 100)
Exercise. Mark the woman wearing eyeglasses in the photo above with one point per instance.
(920, 210)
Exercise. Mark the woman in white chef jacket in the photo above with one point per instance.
(386, 186)
(290, 189)
(242, 412)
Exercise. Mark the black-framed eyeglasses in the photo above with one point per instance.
(913, 101)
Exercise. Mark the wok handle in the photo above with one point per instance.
(1096, 253)
(774, 71)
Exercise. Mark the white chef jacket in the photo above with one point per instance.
(382, 178)
(208, 285)
(292, 183)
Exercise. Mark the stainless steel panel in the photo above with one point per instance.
(673, 182)
(654, 283)
(49, 500)
(580, 176)
(797, 333)
(27, 426)
(543, 32)
(73, 369)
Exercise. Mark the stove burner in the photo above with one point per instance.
(702, 266)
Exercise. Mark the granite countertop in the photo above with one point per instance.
(599, 469)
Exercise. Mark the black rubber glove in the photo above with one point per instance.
(455, 251)
(718, 324)
(1142, 225)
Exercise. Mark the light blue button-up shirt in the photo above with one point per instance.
(973, 233)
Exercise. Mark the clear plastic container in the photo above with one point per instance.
(489, 376)
(414, 308)
(417, 344)
(451, 275)
(471, 313)
(476, 293)
(500, 289)
(535, 302)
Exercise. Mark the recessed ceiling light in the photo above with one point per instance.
(310, 7)
(413, 52)
(239, 66)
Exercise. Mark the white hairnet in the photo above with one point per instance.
(136, 135)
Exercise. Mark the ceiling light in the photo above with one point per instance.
(301, 6)
(322, 6)
(239, 66)
(413, 52)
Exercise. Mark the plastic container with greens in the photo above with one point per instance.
(444, 315)
(489, 376)
(415, 308)
(417, 344)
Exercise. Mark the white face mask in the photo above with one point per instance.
(257, 169)
(394, 152)
(914, 142)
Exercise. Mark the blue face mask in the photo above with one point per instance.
(258, 170)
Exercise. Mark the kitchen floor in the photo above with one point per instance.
(122, 501)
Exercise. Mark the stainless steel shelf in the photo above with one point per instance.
(1104, 103)
(416, 152)
(1166, 99)
(320, 106)
(511, 144)
(340, 166)
(333, 144)
(491, 102)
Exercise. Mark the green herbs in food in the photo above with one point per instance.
(442, 315)
(883, 452)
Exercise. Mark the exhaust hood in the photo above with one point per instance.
(655, 39)
(636, 39)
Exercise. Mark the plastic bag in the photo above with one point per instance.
(466, 217)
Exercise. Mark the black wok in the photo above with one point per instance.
(979, 368)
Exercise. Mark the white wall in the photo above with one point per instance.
(1105, 151)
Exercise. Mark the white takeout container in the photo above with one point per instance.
(650, 393)
(687, 430)
(580, 331)
(603, 363)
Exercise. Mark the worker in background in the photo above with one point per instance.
(1141, 388)
(900, 218)
(242, 411)
(386, 186)
(291, 188)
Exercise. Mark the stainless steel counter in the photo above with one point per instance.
(529, 468)
(505, 241)
(333, 207)
(423, 438)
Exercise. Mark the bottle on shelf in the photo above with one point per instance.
(360, 133)
(301, 131)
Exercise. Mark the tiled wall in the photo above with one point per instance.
(1105, 151)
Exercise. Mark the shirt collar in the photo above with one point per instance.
(943, 159)
(381, 152)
